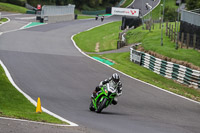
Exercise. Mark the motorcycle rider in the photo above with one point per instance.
(114, 82)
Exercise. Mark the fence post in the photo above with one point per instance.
(160, 24)
(153, 24)
(188, 40)
(172, 33)
(194, 41)
(182, 38)
(167, 29)
(175, 34)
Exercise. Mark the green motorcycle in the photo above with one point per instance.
(104, 98)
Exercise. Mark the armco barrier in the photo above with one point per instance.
(170, 70)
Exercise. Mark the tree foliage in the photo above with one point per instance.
(81, 4)
(192, 4)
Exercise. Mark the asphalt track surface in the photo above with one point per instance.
(44, 63)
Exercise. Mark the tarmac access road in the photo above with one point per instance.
(44, 63)
(141, 4)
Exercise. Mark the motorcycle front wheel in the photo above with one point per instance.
(91, 107)
(102, 105)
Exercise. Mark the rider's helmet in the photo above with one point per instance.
(115, 78)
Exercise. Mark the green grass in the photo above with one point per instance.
(85, 16)
(123, 64)
(156, 12)
(3, 19)
(151, 41)
(14, 104)
(12, 8)
(127, 3)
(106, 36)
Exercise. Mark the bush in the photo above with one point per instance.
(15, 2)
(192, 4)
(170, 14)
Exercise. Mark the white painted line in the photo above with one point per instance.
(131, 3)
(31, 100)
(152, 9)
(126, 74)
(6, 15)
(22, 28)
(25, 18)
(25, 25)
(43, 123)
(5, 22)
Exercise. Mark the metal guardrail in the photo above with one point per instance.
(170, 70)
(57, 10)
(190, 17)
(93, 12)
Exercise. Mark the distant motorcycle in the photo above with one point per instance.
(104, 98)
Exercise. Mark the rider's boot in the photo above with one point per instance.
(114, 102)
(94, 95)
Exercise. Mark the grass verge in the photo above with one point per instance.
(122, 59)
(124, 65)
(105, 36)
(84, 16)
(151, 42)
(156, 13)
(127, 3)
(12, 8)
(13, 104)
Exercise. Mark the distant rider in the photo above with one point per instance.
(114, 82)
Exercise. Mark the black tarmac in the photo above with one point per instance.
(44, 63)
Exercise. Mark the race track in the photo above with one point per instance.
(44, 62)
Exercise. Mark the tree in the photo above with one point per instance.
(192, 4)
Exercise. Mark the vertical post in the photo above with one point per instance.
(153, 24)
(188, 40)
(169, 30)
(172, 31)
(194, 41)
(182, 38)
(166, 29)
(177, 28)
(175, 34)
(162, 23)
(142, 16)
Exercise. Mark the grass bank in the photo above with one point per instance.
(12, 8)
(156, 13)
(13, 104)
(105, 37)
(122, 59)
(151, 41)
(127, 3)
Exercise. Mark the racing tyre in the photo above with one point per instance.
(102, 105)
(91, 107)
